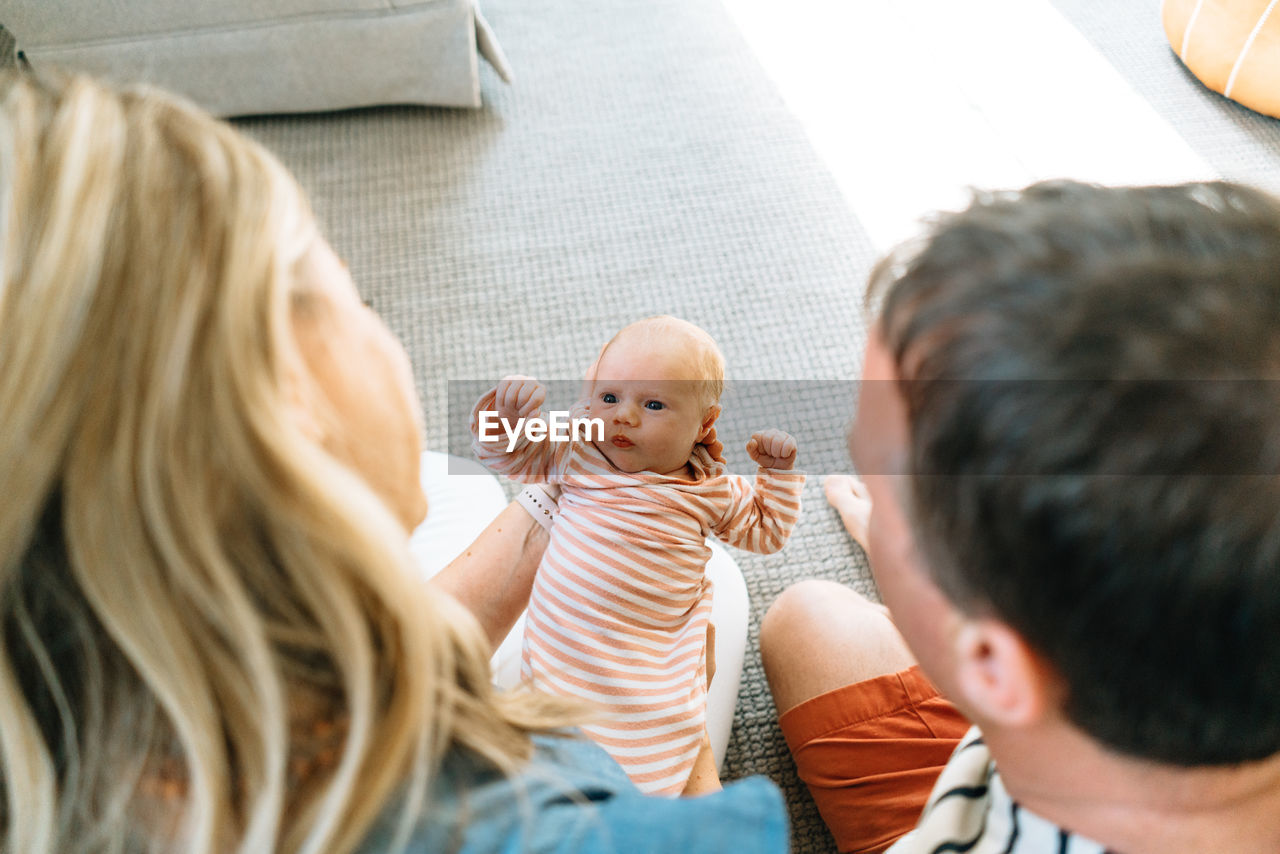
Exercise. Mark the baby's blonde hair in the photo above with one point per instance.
(180, 563)
(663, 329)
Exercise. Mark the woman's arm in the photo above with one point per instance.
(494, 576)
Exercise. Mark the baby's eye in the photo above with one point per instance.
(655, 405)
(608, 397)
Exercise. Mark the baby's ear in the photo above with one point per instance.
(709, 420)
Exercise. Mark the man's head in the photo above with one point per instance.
(1088, 414)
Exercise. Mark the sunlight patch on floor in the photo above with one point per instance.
(909, 104)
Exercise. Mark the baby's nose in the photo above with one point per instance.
(626, 413)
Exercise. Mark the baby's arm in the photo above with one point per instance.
(761, 519)
(498, 413)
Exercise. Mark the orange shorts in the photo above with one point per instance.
(870, 753)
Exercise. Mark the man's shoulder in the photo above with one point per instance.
(970, 810)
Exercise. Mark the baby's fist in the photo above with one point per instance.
(772, 449)
(518, 396)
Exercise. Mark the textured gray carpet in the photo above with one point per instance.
(643, 163)
(640, 163)
(1240, 144)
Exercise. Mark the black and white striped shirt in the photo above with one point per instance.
(969, 812)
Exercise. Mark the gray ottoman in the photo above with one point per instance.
(238, 57)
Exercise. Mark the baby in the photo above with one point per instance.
(620, 606)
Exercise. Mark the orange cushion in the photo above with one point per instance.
(1232, 46)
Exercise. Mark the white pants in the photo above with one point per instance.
(460, 506)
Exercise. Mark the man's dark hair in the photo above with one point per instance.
(1092, 378)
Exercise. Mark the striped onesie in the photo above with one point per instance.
(621, 602)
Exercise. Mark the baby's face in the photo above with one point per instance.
(651, 402)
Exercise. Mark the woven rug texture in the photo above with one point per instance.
(641, 163)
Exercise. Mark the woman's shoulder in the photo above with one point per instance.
(573, 797)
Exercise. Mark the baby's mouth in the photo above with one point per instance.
(621, 441)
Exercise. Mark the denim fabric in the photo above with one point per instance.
(572, 797)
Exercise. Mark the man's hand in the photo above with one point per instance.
(519, 397)
(772, 449)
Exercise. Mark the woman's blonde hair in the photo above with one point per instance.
(188, 581)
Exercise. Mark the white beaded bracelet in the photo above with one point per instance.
(541, 507)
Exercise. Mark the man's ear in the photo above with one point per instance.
(1001, 677)
(709, 420)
